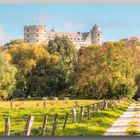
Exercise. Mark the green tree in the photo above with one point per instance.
(7, 78)
(42, 81)
(62, 73)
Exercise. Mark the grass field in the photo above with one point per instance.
(49, 103)
(22, 109)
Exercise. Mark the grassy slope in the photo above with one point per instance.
(21, 110)
(97, 124)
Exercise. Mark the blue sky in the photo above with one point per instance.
(116, 20)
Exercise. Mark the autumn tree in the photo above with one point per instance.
(105, 72)
(24, 57)
(7, 78)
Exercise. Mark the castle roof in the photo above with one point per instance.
(96, 28)
(84, 35)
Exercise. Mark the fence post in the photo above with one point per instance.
(54, 124)
(7, 126)
(102, 105)
(106, 105)
(97, 107)
(81, 113)
(44, 124)
(65, 122)
(93, 109)
(73, 115)
(88, 112)
(76, 104)
(44, 104)
(28, 126)
(11, 104)
(109, 105)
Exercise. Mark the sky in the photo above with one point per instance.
(116, 21)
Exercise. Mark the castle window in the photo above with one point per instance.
(27, 35)
(44, 30)
(37, 30)
(37, 35)
(37, 40)
(27, 30)
(27, 40)
(98, 34)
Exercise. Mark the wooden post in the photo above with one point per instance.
(54, 124)
(7, 126)
(28, 126)
(109, 105)
(11, 104)
(65, 122)
(44, 125)
(44, 104)
(93, 109)
(76, 104)
(98, 105)
(102, 105)
(88, 112)
(106, 105)
(81, 113)
(73, 115)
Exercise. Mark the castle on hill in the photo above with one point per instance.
(38, 34)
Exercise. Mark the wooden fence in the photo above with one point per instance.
(84, 111)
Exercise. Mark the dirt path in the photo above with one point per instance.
(120, 125)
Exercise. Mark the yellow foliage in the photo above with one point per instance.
(7, 55)
(138, 48)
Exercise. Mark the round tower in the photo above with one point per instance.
(35, 34)
(96, 35)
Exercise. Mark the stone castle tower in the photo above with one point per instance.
(35, 34)
(96, 35)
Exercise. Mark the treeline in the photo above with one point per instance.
(59, 69)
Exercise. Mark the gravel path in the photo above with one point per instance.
(120, 125)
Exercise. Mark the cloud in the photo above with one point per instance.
(4, 36)
(73, 27)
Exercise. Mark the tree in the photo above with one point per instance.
(105, 72)
(62, 73)
(7, 78)
(42, 81)
(25, 58)
(15, 42)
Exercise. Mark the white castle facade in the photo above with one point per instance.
(39, 34)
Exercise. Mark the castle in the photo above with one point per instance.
(38, 34)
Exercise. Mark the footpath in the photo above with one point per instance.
(120, 126)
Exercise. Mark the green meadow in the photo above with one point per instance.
(96, 125)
